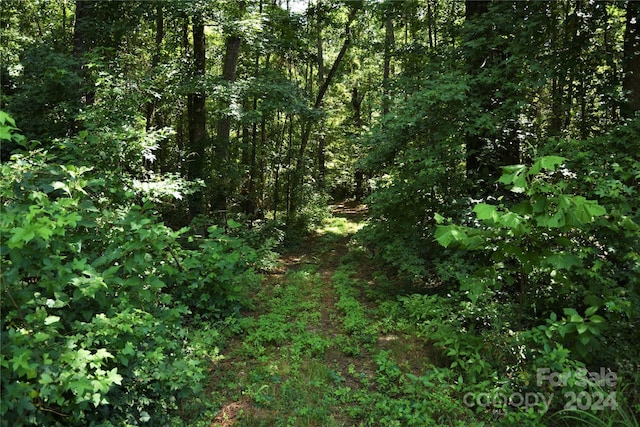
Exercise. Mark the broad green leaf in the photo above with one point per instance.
(484, 212)
(447, 234)
(5, 133)
(594, 209)
(102, 353)
(511, 220)
(590, 311)
(96, 399)
(563, 261)
(5, 118)
(51, 319)
(576, 318)
(61, 186)
(585, 339)
(233, 224)
(514, 176)
(585, 211)
(547, 163)
(573, 314)
(550, 162)
(45, 378)
(114, 377)
(594, 328)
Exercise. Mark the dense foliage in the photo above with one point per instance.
(524, 166)
(103, 305)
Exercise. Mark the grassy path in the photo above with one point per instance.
(322, 347)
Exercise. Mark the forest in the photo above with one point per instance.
(320, 213)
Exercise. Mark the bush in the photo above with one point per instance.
(100, 299)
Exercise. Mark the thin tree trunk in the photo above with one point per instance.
(430, 25)
(474, 141)
(278, 164)
(288, 195)
(321, 139)
(389, 43)
(631, 61)
(64, 17)
(229, 68)
(81, 45)
(356, 103)
(155, 60)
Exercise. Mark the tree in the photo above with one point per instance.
(152, 105)
(307, 125)
(222, 164)
(631, 60)
(389, 46)
(196, 110)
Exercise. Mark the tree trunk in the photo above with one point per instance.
(389, 43)
(155, 60)
(223, 138)
(64, 16)
(197, 117)
(321, 139)
(321, 162)
(82, 43)
(474, 141)
(631, 61)
(356, 103)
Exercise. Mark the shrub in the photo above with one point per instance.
(100, 299)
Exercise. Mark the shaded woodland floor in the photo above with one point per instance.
(319, 347)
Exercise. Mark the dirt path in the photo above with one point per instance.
(313, 348)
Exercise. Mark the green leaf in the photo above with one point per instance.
(5, 118)
(45, 379)
(486, 212)
(233, 224)
(585, 339)
(563, 261)
(51, 319)
(114, 377)
(547, 163)
(514, 175)
(5, 133)
(445, 234)
(21, 360)
(576, 318)
(590, 311)
(573, 314)
(512, 220)
(550, 162)
(594, 209)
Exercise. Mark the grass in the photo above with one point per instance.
(317, 350)
(327, 345)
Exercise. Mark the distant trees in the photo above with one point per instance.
(248, 87)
